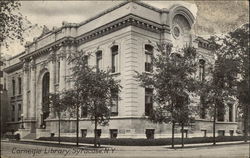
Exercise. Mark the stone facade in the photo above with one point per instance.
(129, 26)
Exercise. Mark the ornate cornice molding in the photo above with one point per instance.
(13, 68)
(128, 20)
(52, 46)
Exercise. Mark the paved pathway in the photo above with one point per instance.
(13, 150)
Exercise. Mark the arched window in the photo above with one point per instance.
(98, 60)
(45, 95)
(114, 59)
(202, 69)
(148, 58)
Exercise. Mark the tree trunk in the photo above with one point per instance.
(95, 132)
(214, 123)
(245, 115)
(59, 128)
(182, 135)
(173, 126)
(77, 126)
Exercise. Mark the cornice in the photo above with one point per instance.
(13, 68)
(128, 20)
(151, 7)
(103, 13)
(50, 47)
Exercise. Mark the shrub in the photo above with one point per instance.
(146, 142)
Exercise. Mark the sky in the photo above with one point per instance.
(212, 17)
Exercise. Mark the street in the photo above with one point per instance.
(14, 150)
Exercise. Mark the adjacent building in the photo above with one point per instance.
(121, 38)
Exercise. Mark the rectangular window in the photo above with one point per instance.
(221, 133)
(114, 59)
(99, 60)
(13, 113)
(19, 107)
(150, 133)
(113, 133)
(14, 87)
(98, 133)
(114, 106)
(19, 85)
(148, 101)
(84, 133)
(148, 58)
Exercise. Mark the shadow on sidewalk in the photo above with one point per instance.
(55, 144)
(189, 146)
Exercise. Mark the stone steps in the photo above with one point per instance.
(30, 136)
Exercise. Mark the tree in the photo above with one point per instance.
(233, 52)
(11, 23)
(92, 91)
(219, 87)
(57, 102)
(173, 82)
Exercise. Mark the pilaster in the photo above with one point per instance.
(62, 58)
(52, 80)
(32, 111)
(25, 89)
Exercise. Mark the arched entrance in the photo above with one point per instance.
(45, 99)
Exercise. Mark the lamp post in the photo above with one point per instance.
(22, 127)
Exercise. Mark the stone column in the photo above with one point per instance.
(70, 66)
(52, 77)
(25, 89)
(32, 111)
(67, 67)
(62, 58)
(233, 112)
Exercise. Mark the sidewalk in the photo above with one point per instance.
(128, 148)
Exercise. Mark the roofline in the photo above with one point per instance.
(99, 15)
